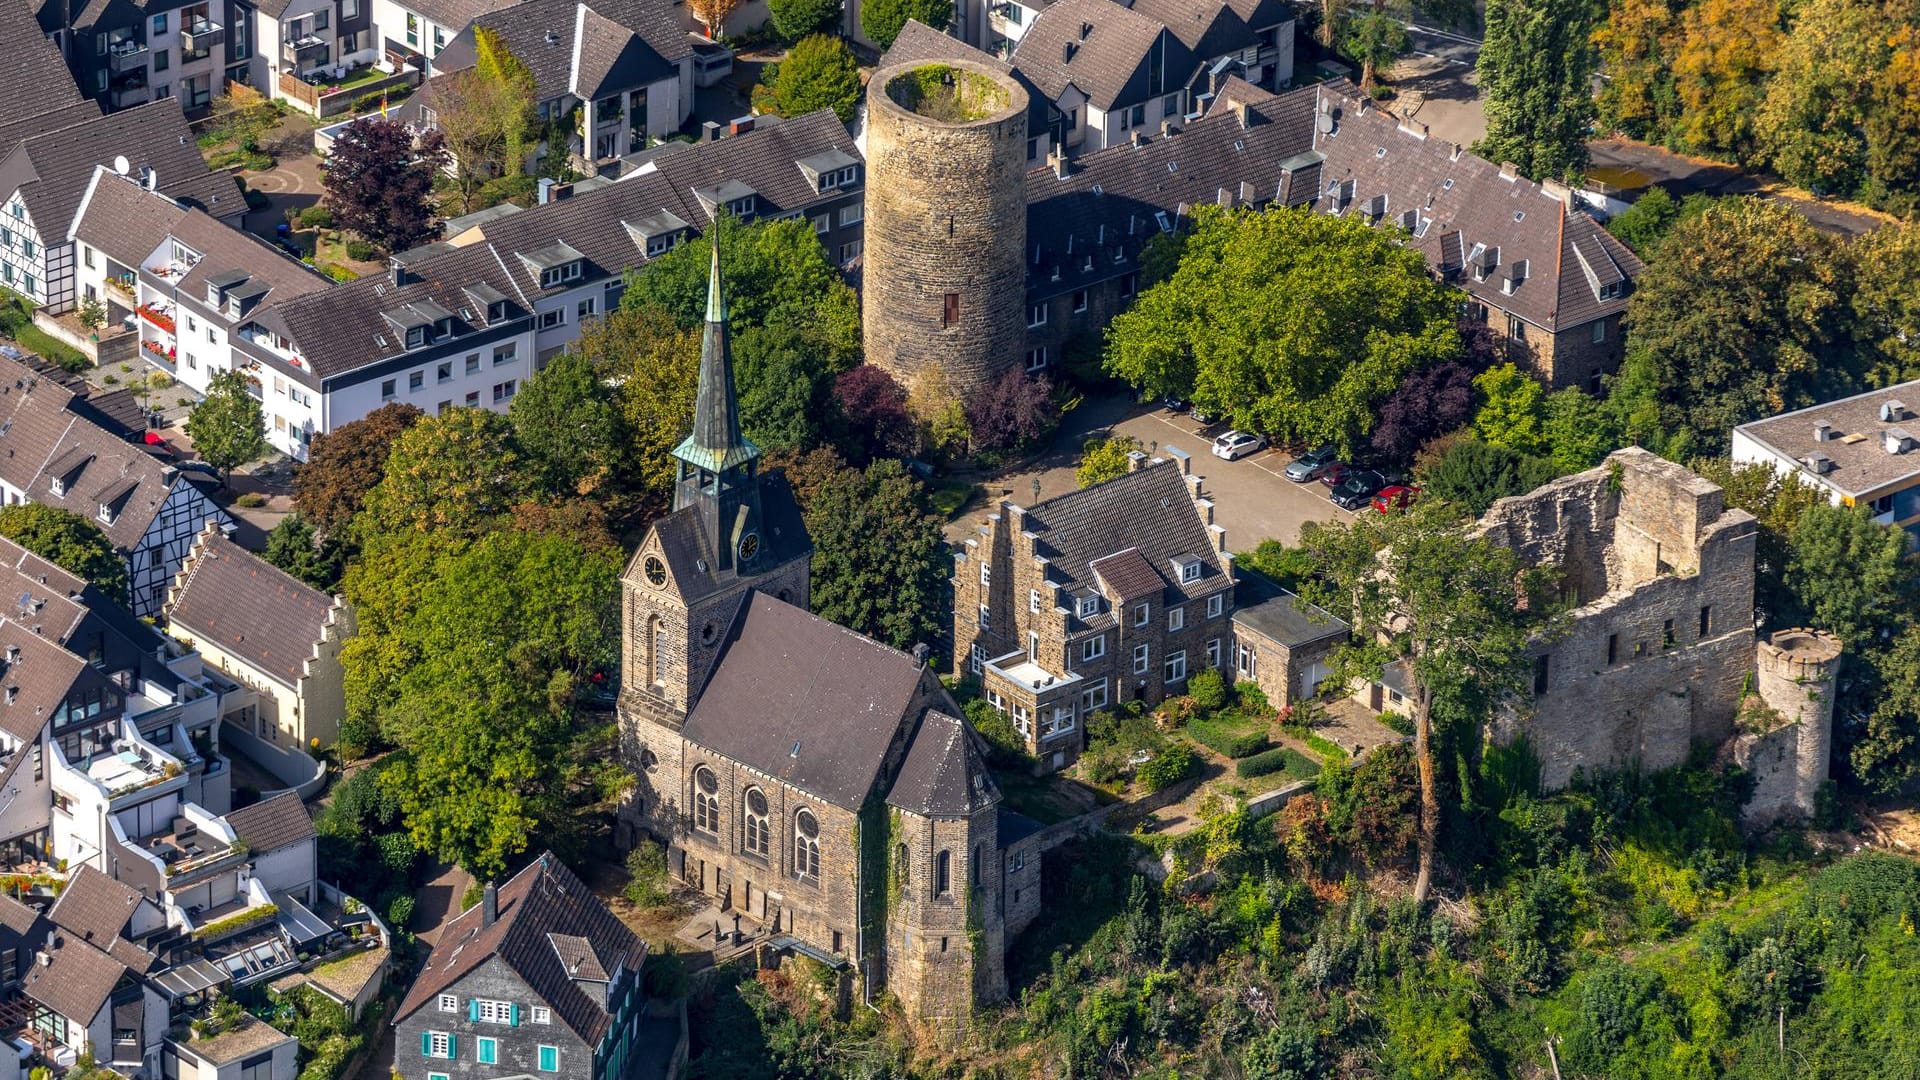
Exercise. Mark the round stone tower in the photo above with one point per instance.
(944, 269)
(1795, 674)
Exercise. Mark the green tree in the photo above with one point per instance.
(68, 541)
(1778, 502)
(881, 20)
(1579, 430)
(379, 180)
(795, 19)
(343, 465)
(567, 427)
(1886, 301)
(1512, 413)
(1104, 459)
(785, 388)
(1885, 756)
(1286, 322)
(1451, 599)
(1473, 475)
(1849, 575)
(228, 427)
(654, 363)
(1536, 77)
(486, 113)
(1374, 39)
(1739, 318)
(293, 546)
(452, 474)
(879, 562)
(1826, 116)
(818, 73)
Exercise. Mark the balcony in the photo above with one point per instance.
(303, 52)
(160, 316)
(124, 56)
(199, 36)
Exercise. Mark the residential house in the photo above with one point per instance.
(305, 41)
(1541, 272)
(1114, 593)
(273, 633)
(279, 837)
(130, 53)
(538, 979)
(40, 93)
(1281, 643)
(416, 30)
(1251, 39)
(619, 71)
(57, 454)
(43, 178)
(1857, 451)
(1109, 70)
(201, 293)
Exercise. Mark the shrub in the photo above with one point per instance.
(400, 912)
(1251, 698)
(1279, 759)
(251, 500)
(360, 251)
(160, 380)
(369, 101)
(318, 216)
(473, 895)
(1016, 410)
(1004, 743)
(1246, 746)
(1208, 688)
(1170, 766)
(647, 869)
(257, 200)
(664, 975)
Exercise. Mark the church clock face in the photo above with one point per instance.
(749, 546)
(655, 570)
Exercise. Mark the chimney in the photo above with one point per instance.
(546, 190)
(1454, 154)
(489, 905)
(740, 125)
(1509, 171)
(709, 131)
(1239, 111)
(560, 192)
(1066, 52)
(1135, 139)
(1897, 441)
(1822, 431)
(1168, 129)
(1057, 158)
(921, 650)
(1136, 460)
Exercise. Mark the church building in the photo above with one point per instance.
(816, 783)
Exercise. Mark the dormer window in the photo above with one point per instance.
(56, 485)
(838, 178)
(742, 208)
(106, 514)
(1188, 568)
(416, 337)
(1089, 606)
(560, 275)
(496, 311)
(660, 245)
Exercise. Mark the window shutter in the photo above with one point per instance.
(453, 1046)
(473, 1009)
(513, 1015)
(426, 1044)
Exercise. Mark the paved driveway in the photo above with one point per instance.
(1252, 500)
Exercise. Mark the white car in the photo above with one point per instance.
(1237, 444)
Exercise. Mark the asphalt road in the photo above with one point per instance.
(1683, 175)
(1442, 44)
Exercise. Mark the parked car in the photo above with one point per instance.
(1334, 473)
(1359, 486)
(1202, 416)
(1173, 403)
(1237, 444)
(197, 467)
(1308, 465)
(1395, 497)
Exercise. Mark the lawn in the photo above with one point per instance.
(16, 322)
(1047, 799)
(949, 499)
(1228, 731)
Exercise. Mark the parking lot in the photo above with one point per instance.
(1253, 501)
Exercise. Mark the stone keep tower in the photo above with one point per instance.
(946, 223)
(1795, 675)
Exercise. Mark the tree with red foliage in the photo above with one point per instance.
(1013, 410)
(1428, 403)
(873, 413)
(379, 182)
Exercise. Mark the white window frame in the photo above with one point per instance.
(976, 658)
(1176, 619)
(1037, 315)
(1246, 660)
(1174, 668)
(852, 214)
(1033, 601)
(1143, 613)
(1599, 331)
(1094, 697)
(492, 1011)
(985, 622)
(440, 1045)
(1093, 648)
(1216, 605)
(1142, 658)
(1213, 653)
(540, 1014)
(449, 1003)
(986, 574)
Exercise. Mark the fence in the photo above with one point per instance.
(324, 101)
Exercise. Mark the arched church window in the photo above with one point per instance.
(706, 800)
(943, 874)
(806, 844)
(754, 839)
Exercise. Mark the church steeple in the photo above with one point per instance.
(718, 475)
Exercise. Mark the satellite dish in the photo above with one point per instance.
(121, 164)
(1324, 122)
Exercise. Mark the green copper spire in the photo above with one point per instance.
(716, 444)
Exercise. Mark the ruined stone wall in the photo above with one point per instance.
(1795, 673)
(945, 948)
(945, 218)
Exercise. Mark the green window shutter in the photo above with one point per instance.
(513, 1015)
(453, 1046)
(426, 1044)
(473, 1009)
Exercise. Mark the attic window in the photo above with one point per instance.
(1519, 215)
(496, 311)
(56, 485)
(838, 178)
(560, 274)
(1380, 151)
(1089, 606)
(1166, 223)
(1173, 166)
(743, 207)
(416, 336)
(106, 514)
(660, 245)
(1447, 185)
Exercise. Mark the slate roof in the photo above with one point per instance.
(95, 906)
(1461, 203)
(248, 607)
(685, 544)
(51, 170)
(39, 431)
(77, 979)
(240, 260)
(1272, 612)
(544, 899)
(803, 700)
(945, 773)
(1105, 209)
(456, 14)
(1207, 30)
(272, 824)
(1100, 48)
(36, 684)
(33, 75)
(595, 48)
(1860, 465)
(1146, 517)
(337, 330)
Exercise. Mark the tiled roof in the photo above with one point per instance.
(38, 430)
(1461, 204)
(51, 170)
(33, 76)
(36, 682)
(585, 49)
(1099, 47)
(248, 607)
(542, 900)
(240, 260)
(944, 774)
(806, 701)
(95, 906)
(1127, 574)
(1148, 510)
(341, 329)
(1207, 29)
(1092, 224)
(272, 824)
(577, 955)
(456, 14)
(1856, 445)
(76, 980)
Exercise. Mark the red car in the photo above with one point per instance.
(1395, 498)
(1334, 473)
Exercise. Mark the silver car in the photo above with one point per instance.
(1310, 465)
